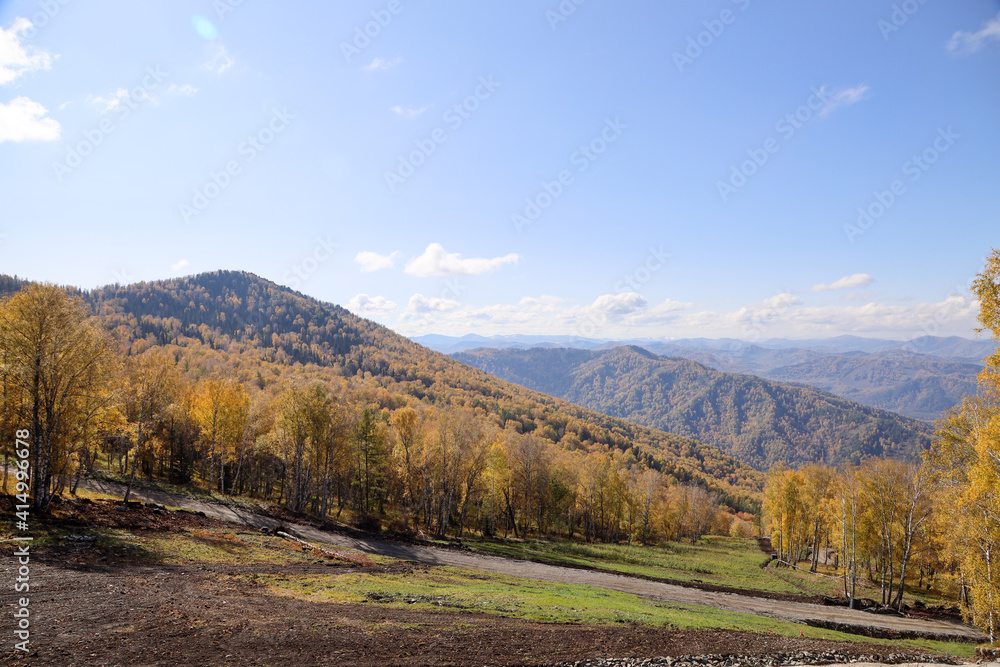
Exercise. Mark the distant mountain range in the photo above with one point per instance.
(262, 331)
(921, 378)
(758, 421)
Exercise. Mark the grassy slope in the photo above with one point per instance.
(720, 560)
(723, 561)
(461, 590)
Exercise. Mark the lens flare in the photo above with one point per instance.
(204, 27)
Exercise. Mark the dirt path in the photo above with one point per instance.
(798, 612)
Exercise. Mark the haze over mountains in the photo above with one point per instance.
(920, 378)
(759, 421)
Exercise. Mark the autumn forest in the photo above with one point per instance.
(235, 385)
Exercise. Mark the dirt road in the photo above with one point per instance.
(798, 612)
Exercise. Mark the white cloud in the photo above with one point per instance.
(783, 300)
(847, 282)
(372, 261)
(409, 112)
(624, 303)
(955, 314)
(382, 64)
(436, 262)
(421, 304)
(24, 120)
(114, 101)
(843, 98)
(179, 265)
(111, 102)
(609, 314)
(184, 89)
(970, 42)
(362, 304)
(16, 59)
(545, 301)
(662, 313)
(220, 60)
(629, 315)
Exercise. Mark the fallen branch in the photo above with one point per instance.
(347, 557)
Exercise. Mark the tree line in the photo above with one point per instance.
(895, 522)
(322, 445)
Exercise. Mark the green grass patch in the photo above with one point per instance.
(220, 546)
(723, 561)
(463, 590)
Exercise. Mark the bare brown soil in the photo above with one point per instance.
(96, 604)
(792, 608)
(134, 613)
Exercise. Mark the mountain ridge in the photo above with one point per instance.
(243, 324)
(920, 378)
(760, 421)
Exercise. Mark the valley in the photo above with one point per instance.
(920, 378)
(758, 421)
(242, 445)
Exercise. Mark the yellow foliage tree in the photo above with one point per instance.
(59, 365)
(965, 463)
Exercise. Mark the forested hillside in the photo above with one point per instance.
(916, 385)
(920, 378)
(247, 317)
(758, 421)
(234, 382)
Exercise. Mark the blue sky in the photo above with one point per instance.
(645, 169)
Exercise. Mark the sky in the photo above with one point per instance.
(723, 168)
